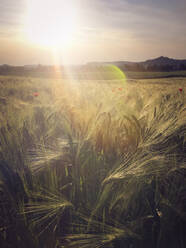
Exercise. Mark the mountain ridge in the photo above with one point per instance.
(158, 64)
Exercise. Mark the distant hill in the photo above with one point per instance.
(157, 64)
(161, 66)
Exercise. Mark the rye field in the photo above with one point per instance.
(92, 163)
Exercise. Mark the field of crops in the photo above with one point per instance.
(155, 74)
(92, 164)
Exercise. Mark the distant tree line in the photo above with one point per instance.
(137, 67)
(94, 71)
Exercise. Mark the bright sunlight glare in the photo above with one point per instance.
(51, 23)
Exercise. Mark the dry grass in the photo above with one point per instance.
(97, 163)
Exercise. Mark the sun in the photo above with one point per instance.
(51, 23)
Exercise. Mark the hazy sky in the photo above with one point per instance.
(108, 30)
